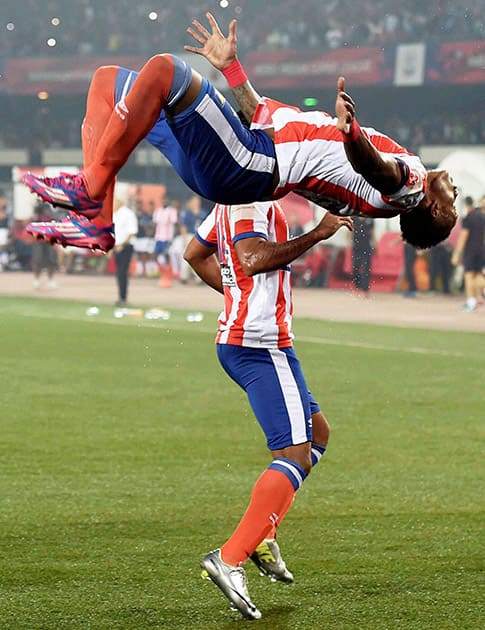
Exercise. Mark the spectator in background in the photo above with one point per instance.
(192, 214)
(165, 218)
(180, 268)
(362, 250)
(440, 267)
(470, 248)
(144, 242)
(126, 228)
(43, 255)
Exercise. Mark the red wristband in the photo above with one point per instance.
(354, 132)
(235, 74)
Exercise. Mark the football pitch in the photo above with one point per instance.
(126, 454)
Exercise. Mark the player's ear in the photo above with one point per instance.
(434, 209)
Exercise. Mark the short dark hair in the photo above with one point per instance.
(469, 200)
(422, 230)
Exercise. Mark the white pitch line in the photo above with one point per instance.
(374, 346)
(323, 341)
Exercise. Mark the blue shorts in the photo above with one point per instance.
(277, 392)
(209, 147)
(161, 247)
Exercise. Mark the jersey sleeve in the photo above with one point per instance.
(414, 182)
(206, 232)
(249, 220)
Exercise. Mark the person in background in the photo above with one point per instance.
(440, 266)
(165, 218)
(469, 248)
(144, 242)
(362, 250)
(43, 255)
(181, 269)
(126, 229)
(192, 215)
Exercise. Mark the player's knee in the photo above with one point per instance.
(104, 81)
(172, 74)
(105, 74)
(160, 63)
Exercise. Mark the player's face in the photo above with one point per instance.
(443, 191)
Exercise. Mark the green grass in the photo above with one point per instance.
(126, 454)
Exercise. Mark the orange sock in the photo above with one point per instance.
(129, 122)
(271, 499)
(271, 535)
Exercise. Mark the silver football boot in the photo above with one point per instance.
(232, 581)
(267, 557)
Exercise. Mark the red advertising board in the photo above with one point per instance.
(448, 63)
(316, 69)
(66, 75)
(457, 62)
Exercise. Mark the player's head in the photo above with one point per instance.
(432, 221)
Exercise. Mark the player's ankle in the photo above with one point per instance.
(92, 189)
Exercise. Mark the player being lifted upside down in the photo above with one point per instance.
(330, 160)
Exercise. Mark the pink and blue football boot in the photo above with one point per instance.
(67, 190)
(75, 231)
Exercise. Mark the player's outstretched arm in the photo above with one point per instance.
(380, 170)
(221, 52)
(204, 262)
(257, 255)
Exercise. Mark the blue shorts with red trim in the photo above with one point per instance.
(277, 391)
(209, 147)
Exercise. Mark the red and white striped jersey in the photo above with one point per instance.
(257, 310)
(165, 219)
(312, 162)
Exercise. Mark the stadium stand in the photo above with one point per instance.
(123, 27)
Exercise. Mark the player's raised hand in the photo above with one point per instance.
(330, 223)
(219, 50)
(344, 107)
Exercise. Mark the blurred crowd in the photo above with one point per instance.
(50, 129)
(164, 228)
(367, 263)
(362, 264)
(86, 27)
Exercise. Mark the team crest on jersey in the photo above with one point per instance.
(227, 277)
(413, 178)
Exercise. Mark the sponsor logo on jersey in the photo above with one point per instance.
(228, 279)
